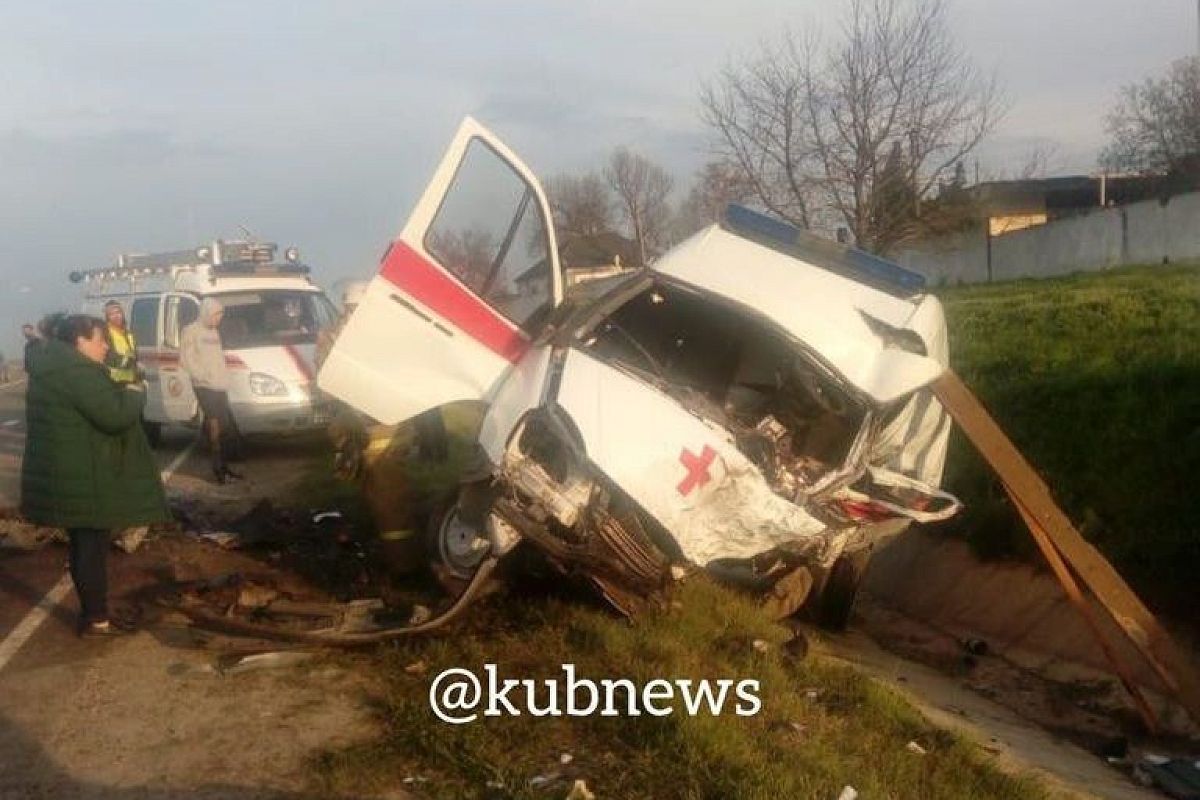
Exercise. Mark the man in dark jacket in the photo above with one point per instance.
(87, 466)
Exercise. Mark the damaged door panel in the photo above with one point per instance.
(460, 292)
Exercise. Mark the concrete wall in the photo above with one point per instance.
(1149, 232)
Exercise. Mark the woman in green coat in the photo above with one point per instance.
(88, 467)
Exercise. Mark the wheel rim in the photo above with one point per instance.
(460, 546)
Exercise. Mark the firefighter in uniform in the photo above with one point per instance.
(381, 457)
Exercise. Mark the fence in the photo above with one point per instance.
(1153, 231)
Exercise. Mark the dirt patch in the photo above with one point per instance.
(155, 714)
(1023, 615)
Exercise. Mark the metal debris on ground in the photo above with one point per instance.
(544, 779)
(130, 539)
(273, 660)
(226, 540)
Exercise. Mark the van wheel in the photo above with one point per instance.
(454, 548)
(153, 432)
(841, 589)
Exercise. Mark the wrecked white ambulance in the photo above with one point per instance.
(756, 402)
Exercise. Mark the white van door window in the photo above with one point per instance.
(143, 321)
(179, 312)
(172, 391)
(489, 234)
(461, 292)
(273, 317)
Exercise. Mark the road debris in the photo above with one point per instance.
(1176, 777)
(130, 539)
(976, 647)
(544, 779)
(580, 791)
(420, 615)
(258, 661)
(18, 534)
(226, 540)
(256, 595)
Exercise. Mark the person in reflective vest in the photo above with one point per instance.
(122, 353)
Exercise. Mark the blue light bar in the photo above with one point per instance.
(839, 258)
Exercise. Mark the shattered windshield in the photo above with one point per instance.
(273, 317)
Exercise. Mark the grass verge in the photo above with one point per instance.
(821, 726)
(1096, 377)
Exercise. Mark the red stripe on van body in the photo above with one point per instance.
(435, 289)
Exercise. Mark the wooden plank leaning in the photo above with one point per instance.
(1037, 505)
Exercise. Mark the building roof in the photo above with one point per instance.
(1063, 194)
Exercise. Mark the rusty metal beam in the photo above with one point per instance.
(1037, 504)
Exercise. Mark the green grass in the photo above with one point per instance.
(1096, 378)
(854, 731)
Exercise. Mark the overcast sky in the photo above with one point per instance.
(130, 126)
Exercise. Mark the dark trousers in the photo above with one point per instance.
(88, 559)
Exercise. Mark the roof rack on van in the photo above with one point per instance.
(830, 255)
(219, 258)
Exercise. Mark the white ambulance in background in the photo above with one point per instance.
(273, 314)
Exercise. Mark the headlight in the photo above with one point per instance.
(266, 385)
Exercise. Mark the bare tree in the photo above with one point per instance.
(1155, 126)
(715, 186)
(581, 204)
(819, 130)
(642, 188)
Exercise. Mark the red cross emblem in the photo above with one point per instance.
(697, 469)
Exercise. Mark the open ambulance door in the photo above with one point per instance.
(177, 310)
(460, 294)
